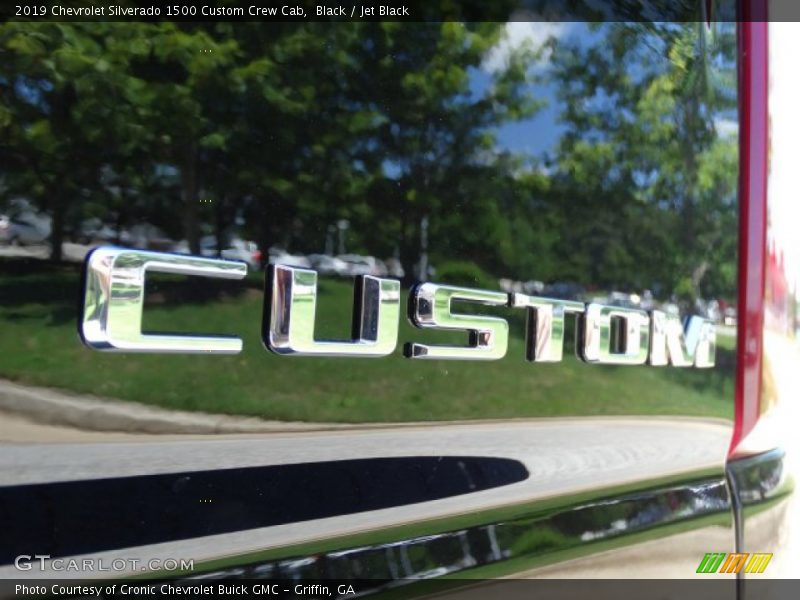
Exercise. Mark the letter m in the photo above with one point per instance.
(711, 562)
(694, 345)
(758, 562)
(734, 563)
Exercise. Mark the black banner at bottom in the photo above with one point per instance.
(457, 589)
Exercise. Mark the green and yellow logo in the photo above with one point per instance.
(722, 562)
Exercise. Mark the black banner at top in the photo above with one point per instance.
(406, 11)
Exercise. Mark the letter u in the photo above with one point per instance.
(290, 306)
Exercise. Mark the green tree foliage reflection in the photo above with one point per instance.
(293, 127)
(646, 173)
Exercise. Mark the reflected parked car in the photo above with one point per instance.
(236, 249)
(395, 268)
(147, 235)
(364, 265)
(325, 264)
(94, 230)
(566, 290)
(279, 256)
(25, 228)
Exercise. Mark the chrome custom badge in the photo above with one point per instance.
(114, 303)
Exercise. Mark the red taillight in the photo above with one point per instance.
(753, 171)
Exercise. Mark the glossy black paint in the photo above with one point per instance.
(82, 517)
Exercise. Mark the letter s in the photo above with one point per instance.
(430, 308)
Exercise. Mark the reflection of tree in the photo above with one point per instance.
(646, 181)
(295, 127)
